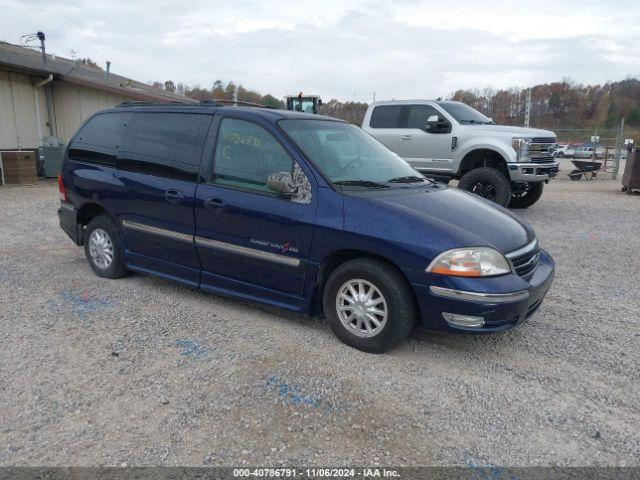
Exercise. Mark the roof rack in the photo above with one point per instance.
(222, 102)
(144, 103)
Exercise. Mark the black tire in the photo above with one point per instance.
(488, 183)
(526, 195)
(400, 304)
(116, 268)
(575, 175)
(560, 155)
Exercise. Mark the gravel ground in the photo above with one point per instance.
(139, 371)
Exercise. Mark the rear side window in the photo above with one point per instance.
(98, 140)
(164, 144)
(386, 116)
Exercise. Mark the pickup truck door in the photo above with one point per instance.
(384, 123)
(422, 149)
(251, 240)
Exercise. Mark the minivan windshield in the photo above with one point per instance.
(465, 114)
(348, 156)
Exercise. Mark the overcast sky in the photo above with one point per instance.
(342, 49)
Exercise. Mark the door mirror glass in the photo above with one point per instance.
(282, 183)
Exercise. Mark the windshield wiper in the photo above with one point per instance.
(361, 183)
(409, 179)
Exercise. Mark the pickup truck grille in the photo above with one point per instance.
(525, 259)
(538, 150)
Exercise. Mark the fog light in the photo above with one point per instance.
(463, 320)
(527, 171)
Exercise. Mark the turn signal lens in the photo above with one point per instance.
(470, 262)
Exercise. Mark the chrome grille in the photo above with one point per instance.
(525, 259)
(538, 150)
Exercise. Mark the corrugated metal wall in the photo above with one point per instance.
(18, 124)
(72, 104)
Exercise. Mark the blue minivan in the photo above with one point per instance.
(299, 211)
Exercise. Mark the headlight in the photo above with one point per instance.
(470, 262)
(518, 143)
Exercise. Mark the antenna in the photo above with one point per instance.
(25, 40)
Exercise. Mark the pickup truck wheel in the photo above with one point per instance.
(525, 194)
(369, 305)
(103, 248)
(487, 183)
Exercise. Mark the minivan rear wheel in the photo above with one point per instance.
(103, 248)
(487, 183)
(369, 305)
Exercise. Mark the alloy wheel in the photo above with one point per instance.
(361, 308)
(100, 248)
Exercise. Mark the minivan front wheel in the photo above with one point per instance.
(369, 305)
(103, 248)
(487, 183)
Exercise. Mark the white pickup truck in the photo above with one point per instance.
(450, 140)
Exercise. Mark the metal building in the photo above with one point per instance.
(47, 96)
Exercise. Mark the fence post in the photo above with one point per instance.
(619, 140)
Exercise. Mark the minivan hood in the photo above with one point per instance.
(465, 219)
(516, 131)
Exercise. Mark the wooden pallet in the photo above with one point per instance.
(18, 167)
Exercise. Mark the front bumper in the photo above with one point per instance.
(533, 171)
(503, 302)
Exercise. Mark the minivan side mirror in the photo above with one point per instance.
(437, 124)
(282, 183)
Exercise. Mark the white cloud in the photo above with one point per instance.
(342, 49)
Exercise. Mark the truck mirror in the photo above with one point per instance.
(437, 124)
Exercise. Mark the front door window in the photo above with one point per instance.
(247, 155)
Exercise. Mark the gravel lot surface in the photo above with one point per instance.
(139, 371)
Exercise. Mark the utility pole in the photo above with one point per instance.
(374, 96)
(527, 110)
(619, 144)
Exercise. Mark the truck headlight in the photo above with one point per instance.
(517, 143)
(470, 262)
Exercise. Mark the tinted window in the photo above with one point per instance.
(417, 115)
(246, 154)
(164, 144)
(386, 116)
(98, 140)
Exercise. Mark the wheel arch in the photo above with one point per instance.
(484, 157)
(337, 258)
(89, 211)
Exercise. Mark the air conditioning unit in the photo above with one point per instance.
(51, 155)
